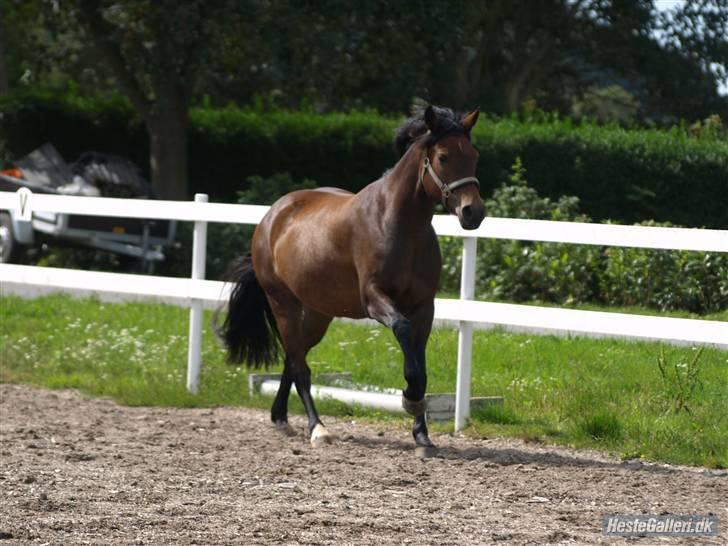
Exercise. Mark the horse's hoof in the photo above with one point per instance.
(284, 428)
(425, 452)
(320, 436)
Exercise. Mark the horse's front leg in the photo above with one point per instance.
(415, 372)
(412, 335)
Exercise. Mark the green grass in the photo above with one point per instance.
(599, 393)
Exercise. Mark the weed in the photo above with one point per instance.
(680, 381)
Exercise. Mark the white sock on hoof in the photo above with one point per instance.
(320, 436)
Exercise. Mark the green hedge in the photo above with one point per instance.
(618, 174)
(625, 175)
(343, 150)
(73, 124)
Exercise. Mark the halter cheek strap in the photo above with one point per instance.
(448, 188)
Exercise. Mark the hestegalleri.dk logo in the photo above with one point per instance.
(645, 525)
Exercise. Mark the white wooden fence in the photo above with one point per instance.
(195, 291)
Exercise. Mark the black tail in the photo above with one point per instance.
(249, 331)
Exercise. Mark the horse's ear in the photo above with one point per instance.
(470, 120)
(430, 118)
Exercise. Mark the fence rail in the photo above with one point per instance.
(708, 240)
(195, 291)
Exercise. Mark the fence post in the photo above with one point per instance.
(199, 255)
(465, 336)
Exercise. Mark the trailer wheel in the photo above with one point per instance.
(10, 248)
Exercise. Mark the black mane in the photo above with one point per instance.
(448, 122)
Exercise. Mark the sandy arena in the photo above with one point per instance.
(76, 470)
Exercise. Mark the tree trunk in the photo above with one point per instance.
(164, 112)
(167, 130)
(530, 66)
(472, 61)
(4, 84)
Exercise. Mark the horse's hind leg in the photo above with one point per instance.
(300, 329)
(279, 411)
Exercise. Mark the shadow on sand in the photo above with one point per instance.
(507, 456)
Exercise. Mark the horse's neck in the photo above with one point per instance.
(403, 196)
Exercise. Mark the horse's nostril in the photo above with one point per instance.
(467, 212)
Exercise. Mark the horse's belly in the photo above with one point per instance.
(331, 291)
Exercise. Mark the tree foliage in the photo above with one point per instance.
(362, 54)
(614, 60)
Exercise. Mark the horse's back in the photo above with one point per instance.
(330, 189)
(321, 207)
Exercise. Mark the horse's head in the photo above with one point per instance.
(447, 172)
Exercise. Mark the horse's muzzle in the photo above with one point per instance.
(471, 216)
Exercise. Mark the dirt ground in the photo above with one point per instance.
(75, 470)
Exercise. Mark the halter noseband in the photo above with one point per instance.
(448, 188)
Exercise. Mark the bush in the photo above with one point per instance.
(560, 273)
(625, 175)
(693, 281)
(525, 270)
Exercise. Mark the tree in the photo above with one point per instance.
(334, 55)
(696, 36)
(699, 31)
(39, 44)
(4, 83)
(561, 55)
(561, 52)
(637, 48)
(508, 50)
(158, 52)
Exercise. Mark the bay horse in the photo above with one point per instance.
(324, 253)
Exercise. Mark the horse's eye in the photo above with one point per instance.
(442, 158)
